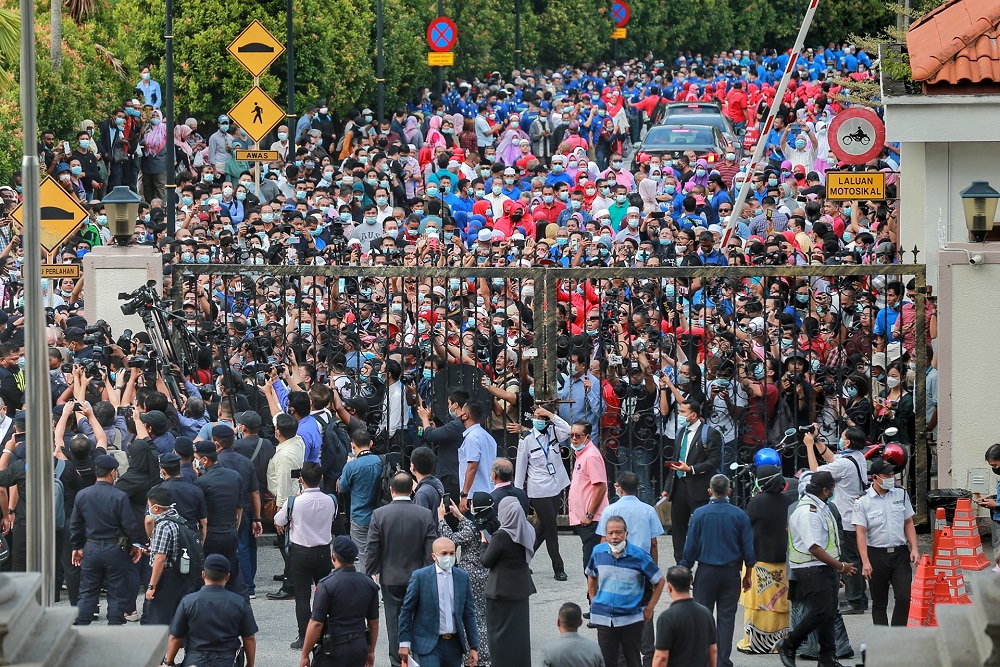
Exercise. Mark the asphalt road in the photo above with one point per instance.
(276, 619)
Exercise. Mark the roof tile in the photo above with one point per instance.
(956, 42)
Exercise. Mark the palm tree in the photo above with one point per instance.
(10, 45)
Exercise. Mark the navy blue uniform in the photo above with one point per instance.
(346, 601)
(246, 543)
(188, 499)
(224, 491)
(211, 622)
(100, 513)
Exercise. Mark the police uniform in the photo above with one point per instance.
(213, 621)
(812, 523)
(102, 513)
(187, 498)
(346, 602)
(883, 516)
(224, 492)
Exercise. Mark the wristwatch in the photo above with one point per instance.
(255, 521)
(463, 495)
(589, 515)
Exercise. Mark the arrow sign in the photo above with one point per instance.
(620, 13)
(61, 214)
(442, 34)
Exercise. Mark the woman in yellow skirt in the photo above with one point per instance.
(766, 610)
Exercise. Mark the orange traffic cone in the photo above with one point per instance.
(940, 523)
(947, 564)
(968, 545)
(922, 596)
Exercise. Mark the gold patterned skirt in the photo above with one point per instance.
(766, 609)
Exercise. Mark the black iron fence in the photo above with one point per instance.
(768, 353)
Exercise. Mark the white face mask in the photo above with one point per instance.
(887, 483)
(892, 382)
(445, 562)
(617, 548)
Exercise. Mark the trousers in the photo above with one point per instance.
(392, 600)
(547, 510)
(683, 502)
(854, 586)
(352, 653)
(169, 590)
(223, 542)
(627, 638)
(817, 590)
(306, 565)
(890, 569)
(104, 565)
(718, 588)
(246, 553)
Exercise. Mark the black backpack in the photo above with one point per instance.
(190, 539)
(333, 455)
(392, 463)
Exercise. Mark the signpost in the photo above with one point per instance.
(442, 35)
(850, 185)
(61, 215)
(857, 135)
(255, 48)
(620, 14)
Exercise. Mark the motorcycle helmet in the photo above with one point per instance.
(767, 457)
(895, 454)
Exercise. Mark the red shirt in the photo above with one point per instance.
(737, 103)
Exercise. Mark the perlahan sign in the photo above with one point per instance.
(851, 185)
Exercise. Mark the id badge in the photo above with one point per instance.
(551, 468)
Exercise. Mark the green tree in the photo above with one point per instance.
(573, 31)
(405, 39)
(10, 45)
(486, 36)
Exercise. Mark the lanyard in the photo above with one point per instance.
(547, 447)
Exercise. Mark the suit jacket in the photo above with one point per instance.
(399, 542)
(703, 457)
(510, 577)
(511, 490)
(418, 617)
(572, 649)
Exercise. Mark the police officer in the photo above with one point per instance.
(187, 498)
(250, 525)
(224, 491)
(100, 515)
(813, 553)
(887, 542)
(211, 623)
(343, 628)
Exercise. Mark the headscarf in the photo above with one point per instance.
(514, 523)
(647, 190)
(411, 129)
(181, 133)
(434, 136)
(483, 209)
(770, 479)
(155, 139)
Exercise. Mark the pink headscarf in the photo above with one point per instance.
(155, 139)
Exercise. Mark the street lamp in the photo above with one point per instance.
(122, 206)
(980, 203)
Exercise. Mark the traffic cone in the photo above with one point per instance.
(968, 544)
(922, 596)
(940, 523)
(947, 564)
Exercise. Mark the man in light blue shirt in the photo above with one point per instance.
(584, 390)
(643, 523)
(150, 89)
(475, 456)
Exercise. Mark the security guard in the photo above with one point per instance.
(211, 623)
(102, 513)
(813, 553)
(224, 490)
(187, 498)
(344, 624)
(887, 542)
(223, 436)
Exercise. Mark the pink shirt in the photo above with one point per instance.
(588, 472)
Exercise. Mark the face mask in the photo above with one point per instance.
(198, 466)
(445, 562)
(363, 159)
(892, 382)
(432, 192)
(758, 372)
(802, 298)
(557, 169)
(224, 127)
(996, 470)
(20, 363)
(847, 237)
(800, 143)
(209, 177)
(620, 199)
(428, 373)
(479, 194)
(204, 259)
(773, 182)
(616, 549)
(730, 157)
(887, 483)
(187, 257)
(547, 199)
(498, 329)
(540, 425)
(605, 192)
(699, 172)
(832, 161)
(682, 421)
(227, 191)
(815, 365)
(369, 220)
(632, 223)
(102, 220)
(381, 201)
(847, 211)
(497, 189)
(298, 163)
(616, 165)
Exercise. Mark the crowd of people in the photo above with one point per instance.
(354, 413)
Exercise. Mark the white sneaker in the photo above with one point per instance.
(133, 617)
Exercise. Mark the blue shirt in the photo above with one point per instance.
(360, 479)
(719, 534)
(585, 404)
(886, 320)
(640, 519)
(478, 446)
(310, 433)
(621, 583)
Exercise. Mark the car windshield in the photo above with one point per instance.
(700, 119)
(688, 135)
(693, 109)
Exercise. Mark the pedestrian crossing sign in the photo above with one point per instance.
(257, 114)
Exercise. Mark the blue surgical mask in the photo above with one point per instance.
(682, 421)
(102, 220)
(204, 259)
(540, 424)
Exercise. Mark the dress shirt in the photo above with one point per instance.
(535, 453)
(287, 457)
(312, 518)
(719, 534)
(883, 517)
(585, 405)
(396, 414)
(688, 435)
(477, 446)
(446, 601)
(642, 521)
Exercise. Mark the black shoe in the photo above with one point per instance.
(849, 654)
(586, 615)
(281, 595)
(813, 658)
(786, 654)
(278, 577)
(849, 610)
(561, 576)
(832, 663)
(297, 645)
(591, 626)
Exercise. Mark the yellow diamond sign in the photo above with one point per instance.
(257, 113)
(256, 48)
(61, 215)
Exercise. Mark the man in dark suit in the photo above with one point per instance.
(502, 473)
(399, 542)
(438, 618)
(697, 452)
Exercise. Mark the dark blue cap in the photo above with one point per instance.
(204, 447)
(106, 462)
(169, 459)
(217, 563)
(345, 549)
(223, 431)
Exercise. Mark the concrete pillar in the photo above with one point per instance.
(968, 384)
(109, 270)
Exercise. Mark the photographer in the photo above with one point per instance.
(637, 446)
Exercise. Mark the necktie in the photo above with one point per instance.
(684, 448)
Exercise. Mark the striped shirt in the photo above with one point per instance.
(621, 583)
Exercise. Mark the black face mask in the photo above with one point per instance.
(996, 470)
